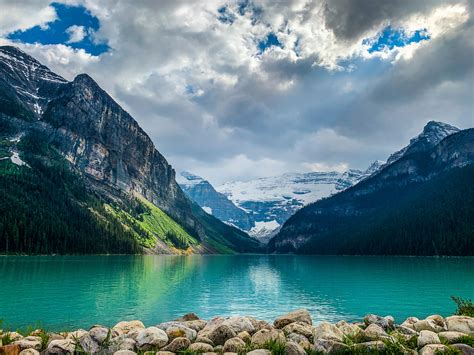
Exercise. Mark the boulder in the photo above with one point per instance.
(125, 352)
(375, 332)
(385, 322)
(122, 342)
(263, 336)
(178, 331)
(188, 317)
(204, 340)
(29, 342)
(299, 339)
(77, 334)
(299, 328)
(347, 329)
(88, 344)
(259, 352)
(99, 333)
(178, 344)
(234, 345)
(10, 349)
(219, 349)
(14, 336)
(151, 337)
(200, 348)
(161, 352)
(463, 324)
(433, 349)
(375, 345)
(54, 336)
(464, 349)
(240, 324)
(327, 331)
(428, 324)
(210, 326)
(406, 330)
(245, 336)
(451, 336)
(221, 334)
(259, 324)
(409, 322)
(330, 346)
(427, 337)
(29, 352)
(293, 348)
(300, 315)
(126, 326)
(196, 325)
(65, 346)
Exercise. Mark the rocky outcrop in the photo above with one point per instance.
(297, 336)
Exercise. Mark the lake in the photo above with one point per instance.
(65, 292)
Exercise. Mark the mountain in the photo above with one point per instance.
(213, 202)
(420, 203)
(272, 200)
(125, 187)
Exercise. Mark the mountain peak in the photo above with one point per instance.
(187, 178)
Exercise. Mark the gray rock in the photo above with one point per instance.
(427, 337)
(433, 349)
(122, 342)
(409, 322)
(29, 352)
(151, 337)
(201, 348)
(451, 336)
(463, 324)
(99, 333)
(221, 334)
(204, 340)
(29, 342)
(376, 345)
(177, 344)
(88, 344)
(327, 331)
(299, 339)
(300, 315)
(240, 324)
(375, 332)
(293, 348)
(259, 352)
(348, 329)
(65, 346)
(428, 324)
(177, 331)
(385, 322)
(245, 336)
(464, 349)
(265, 335)
(125, 352)
(234, 345)
(299, 328)
(330, 346)
(127, 326)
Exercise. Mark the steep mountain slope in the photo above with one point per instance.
(114, 158)
(420, 204)
(213, 202)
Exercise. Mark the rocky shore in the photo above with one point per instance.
(293, 334)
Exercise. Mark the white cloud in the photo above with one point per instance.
(76, 33)
(21, 15)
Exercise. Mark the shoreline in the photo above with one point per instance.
(293, 333)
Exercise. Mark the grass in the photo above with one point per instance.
(465, 307)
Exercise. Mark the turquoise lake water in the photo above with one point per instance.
(79, 291)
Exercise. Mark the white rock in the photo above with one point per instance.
(375, 332)
(240, 324)
(151, 337)
(259, 352)
(300, 315)
(265, 335)
(427, 337)
(99, 334)
(234, 345)
(200, 348)
(126, 326)
(451, 336)
(29, 342)
(125, 352)
(433, 349)
(463, 324)
(327, 331)
(29, 352)
(63, 346)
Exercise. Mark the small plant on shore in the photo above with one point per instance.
(352, 339)
(465, 306)
(5, 339)
(466, 339)
(276, 347)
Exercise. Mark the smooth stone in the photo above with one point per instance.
(464, 349)
(293, 348)
(234, 345)
(151, 337)
(259, 352)
(406, 330)
(99, 333)
(219, 348)
(161, 352)
(245, 336)
(240, 324)
(409, 322)
(385, 322)
(265, 335)
(29, 342)
(375, 332)
(177, 344)
(221, 334)
(433, 349)
(451, 336)
(122, 342)
(371, 345)
(299, 339)
(210, 326)
(209, 353)
(330, 346)
(300, 315)
(29, 352)
(200, 348)
(299, 328)
(204, 340)
(65, 346)
(348, 329)
(327, 331)
(196, 325)
(88, 344)
(259, 324)
(178, 331)
(428, 324)
(427, 337)
(463, 324)
(126, 326)
(125, 352)
(77, 334)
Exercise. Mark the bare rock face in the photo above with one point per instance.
(300, 315)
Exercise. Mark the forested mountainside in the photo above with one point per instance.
(79, 175)
(421, 203)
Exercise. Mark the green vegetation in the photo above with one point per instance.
(465, 307)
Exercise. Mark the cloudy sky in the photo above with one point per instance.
(243, 89)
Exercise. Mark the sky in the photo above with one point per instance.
(236, 90)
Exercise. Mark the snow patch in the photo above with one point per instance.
(15, 158)
(207, 209)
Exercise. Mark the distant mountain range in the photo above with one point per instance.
(420, 203)
(79, 175)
